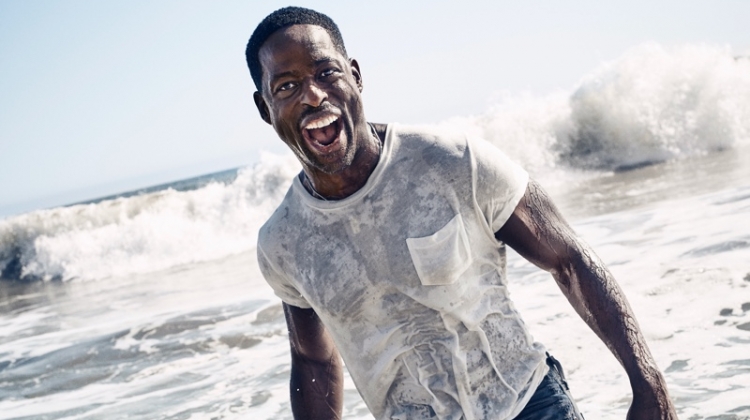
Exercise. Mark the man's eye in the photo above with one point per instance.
(327, 72)
(286, 86)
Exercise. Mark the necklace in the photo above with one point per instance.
(308, 184)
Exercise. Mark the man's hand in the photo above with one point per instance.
(317, 383)
(538, 232)
(651, 407)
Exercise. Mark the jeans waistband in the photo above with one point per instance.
(557, 367)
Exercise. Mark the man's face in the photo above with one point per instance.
(311, 96)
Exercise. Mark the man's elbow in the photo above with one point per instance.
(567, 268)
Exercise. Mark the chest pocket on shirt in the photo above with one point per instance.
(443, 256)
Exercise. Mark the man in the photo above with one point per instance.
(389, 248)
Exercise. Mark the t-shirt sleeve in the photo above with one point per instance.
(499, 183)
(280, 284)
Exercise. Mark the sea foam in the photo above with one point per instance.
(147, 232)
(651, 105)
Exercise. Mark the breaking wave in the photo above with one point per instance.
(147, 232)
(651, 105)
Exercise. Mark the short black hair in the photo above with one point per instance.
(280, 19)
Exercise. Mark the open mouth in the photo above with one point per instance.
(323, 132)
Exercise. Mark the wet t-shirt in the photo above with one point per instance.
(410, 281)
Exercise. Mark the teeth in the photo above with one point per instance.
(321, 122)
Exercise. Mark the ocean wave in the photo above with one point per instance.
(650, 105)
(147, 232)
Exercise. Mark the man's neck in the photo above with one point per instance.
(351, 179)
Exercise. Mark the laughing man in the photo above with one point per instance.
(389, 251)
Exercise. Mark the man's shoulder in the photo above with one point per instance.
(278, 223)
(431, 141)
(427, 134)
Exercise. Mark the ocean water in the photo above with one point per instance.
(151, 305)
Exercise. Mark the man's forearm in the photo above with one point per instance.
(316, 388)
(317, 380)
(598, 299)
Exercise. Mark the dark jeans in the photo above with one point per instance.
(552, 400)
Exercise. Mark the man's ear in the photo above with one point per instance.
(262, 107)
(356, 73)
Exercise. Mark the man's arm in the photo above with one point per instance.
(317, 382)
(538, 232)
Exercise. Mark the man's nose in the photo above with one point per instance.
(313, 95)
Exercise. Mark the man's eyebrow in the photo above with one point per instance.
(325, 60)
(278, 76)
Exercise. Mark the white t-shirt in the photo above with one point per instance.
(409, 279)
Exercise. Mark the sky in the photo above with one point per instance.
(101, 97)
